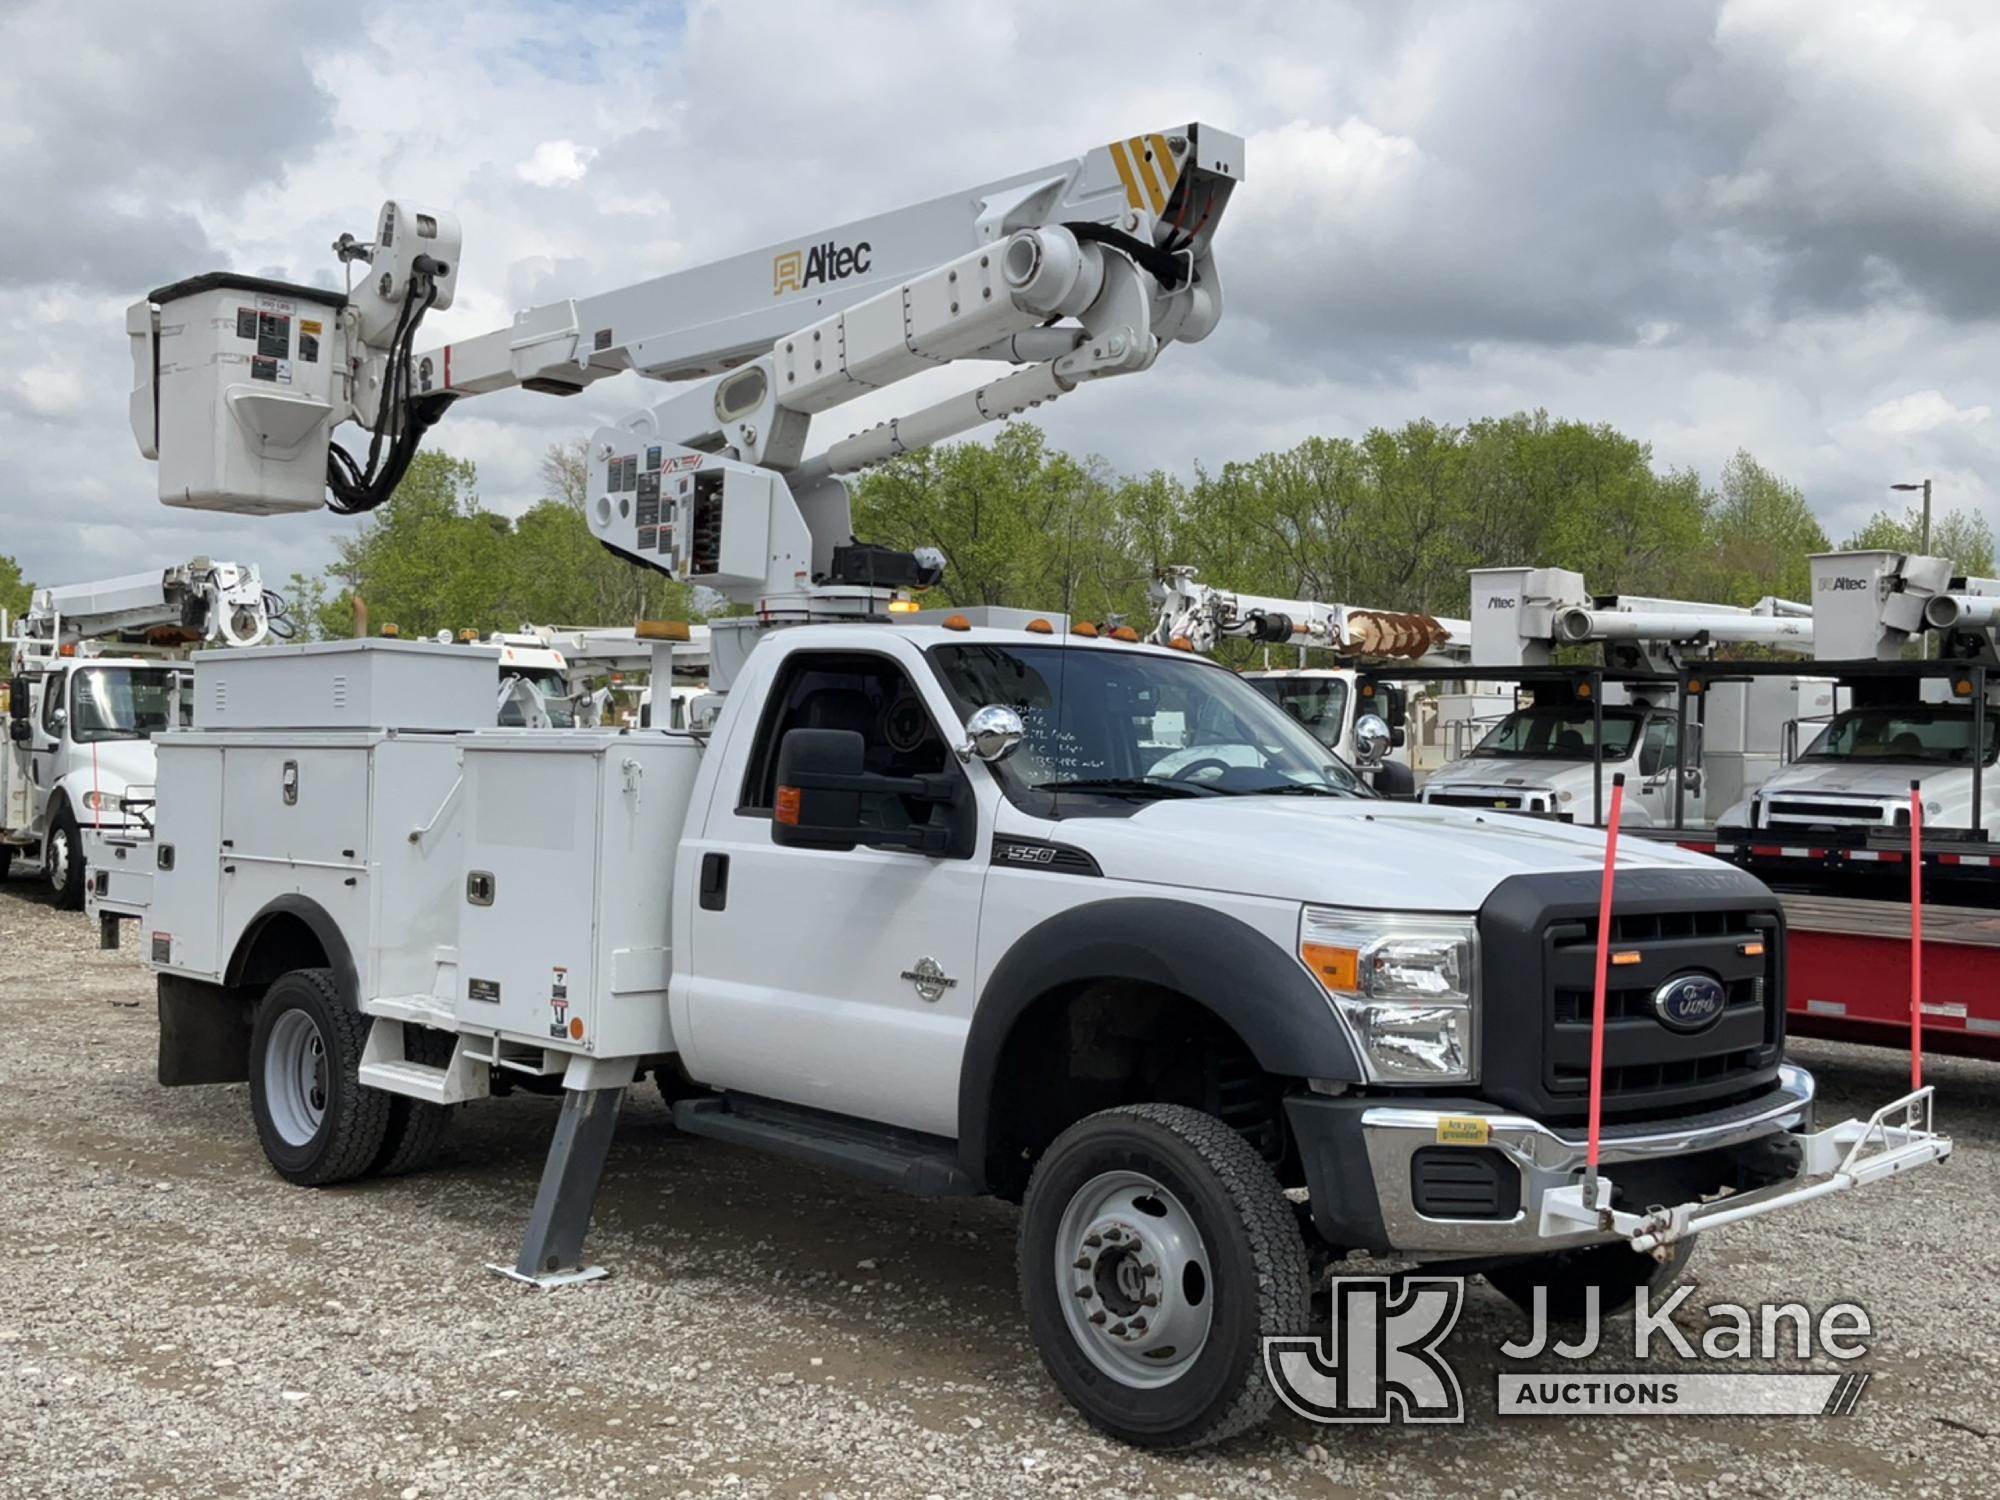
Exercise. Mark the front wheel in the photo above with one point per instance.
(1157, 1253)
(316, 1122)
(64, 862)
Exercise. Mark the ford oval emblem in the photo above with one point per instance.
(1690, 1002)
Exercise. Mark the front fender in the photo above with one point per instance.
(1253, 985)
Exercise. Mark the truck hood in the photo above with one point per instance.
(1522, 773)
(1386, 855)
(1868, 779)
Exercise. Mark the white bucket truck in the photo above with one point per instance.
(961, 902)
(95, 672)
(1624, 714)
(1932, 720)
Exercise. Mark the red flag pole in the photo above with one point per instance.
(1916, 936)
(1602, 982)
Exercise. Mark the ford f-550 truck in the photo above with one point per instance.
(1003, 909)
(1006, 904)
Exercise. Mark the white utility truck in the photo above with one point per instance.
(92, 678)
(1358, 717)
(1850, 772)
(957, 902)
(1557, 756)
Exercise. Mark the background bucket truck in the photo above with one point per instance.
(91, 679)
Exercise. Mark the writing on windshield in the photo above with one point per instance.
(1105, 721)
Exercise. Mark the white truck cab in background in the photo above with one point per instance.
(1556, 755)
(95, 671)
(1852, 765)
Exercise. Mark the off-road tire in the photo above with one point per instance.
(416, 1128)
(354, 1119)
(6, 859)
(1259, 1278)
(1616, 1269)
(68, 892)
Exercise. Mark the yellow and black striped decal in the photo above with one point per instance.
(1147, 168)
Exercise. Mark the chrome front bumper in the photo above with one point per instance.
(1557, 1208)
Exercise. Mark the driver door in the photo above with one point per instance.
(839, 979)
(1657, 772)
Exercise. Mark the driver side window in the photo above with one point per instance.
(1656, 753)
(874, 698)
(55, 690)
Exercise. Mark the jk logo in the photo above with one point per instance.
(1379, 1362)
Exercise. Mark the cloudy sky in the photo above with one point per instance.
(1768, 224)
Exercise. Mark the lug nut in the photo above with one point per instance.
(1084, 1292)
(1098, 1316)
(1138, 1326)
(1084, 1262)
(1149, 1300)
(1093, 1240)
(1118, 1330)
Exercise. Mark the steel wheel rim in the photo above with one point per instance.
(295, 1078)
(1132, 1271)
(59, 857)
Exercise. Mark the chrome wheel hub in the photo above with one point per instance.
(1135, 1282)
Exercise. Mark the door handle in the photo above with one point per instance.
(714, 882)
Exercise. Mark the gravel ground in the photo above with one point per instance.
(175, 1320)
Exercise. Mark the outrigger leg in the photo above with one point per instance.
(553, 1246)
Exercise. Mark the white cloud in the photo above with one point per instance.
(1921, 411)
(556, 162)
(1763, 225)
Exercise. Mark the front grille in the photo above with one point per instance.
(1643, 1056)
(1507, 802)
(1851, 812)
(1538, 939)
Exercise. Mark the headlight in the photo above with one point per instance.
(99, 801)
(1403, 985)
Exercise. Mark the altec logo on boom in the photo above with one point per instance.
(795, 270)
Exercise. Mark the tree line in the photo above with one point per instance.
(1393, 519)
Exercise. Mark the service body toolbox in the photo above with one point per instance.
(569, 851)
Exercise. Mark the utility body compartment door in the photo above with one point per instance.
(295, 821)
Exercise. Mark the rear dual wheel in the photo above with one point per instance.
(317, 1122)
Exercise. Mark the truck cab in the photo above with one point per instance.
(1855, 770)
(79, 755)
(1545, 758)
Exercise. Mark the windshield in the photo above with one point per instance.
(1911, 734)
(1319, 703)
(1118, 723)
(124, 703)
(1561, 731)
(550, 688)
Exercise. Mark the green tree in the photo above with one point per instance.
(1961, 535)
(1760, 533)
(15, 590)
(1018, 524)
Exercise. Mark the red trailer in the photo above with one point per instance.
(1848, 973)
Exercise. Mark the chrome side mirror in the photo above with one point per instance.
(992, 733)
(1371, 739)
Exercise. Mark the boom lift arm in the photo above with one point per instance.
(196, 601)
(1073, 272)
(1186, 609)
